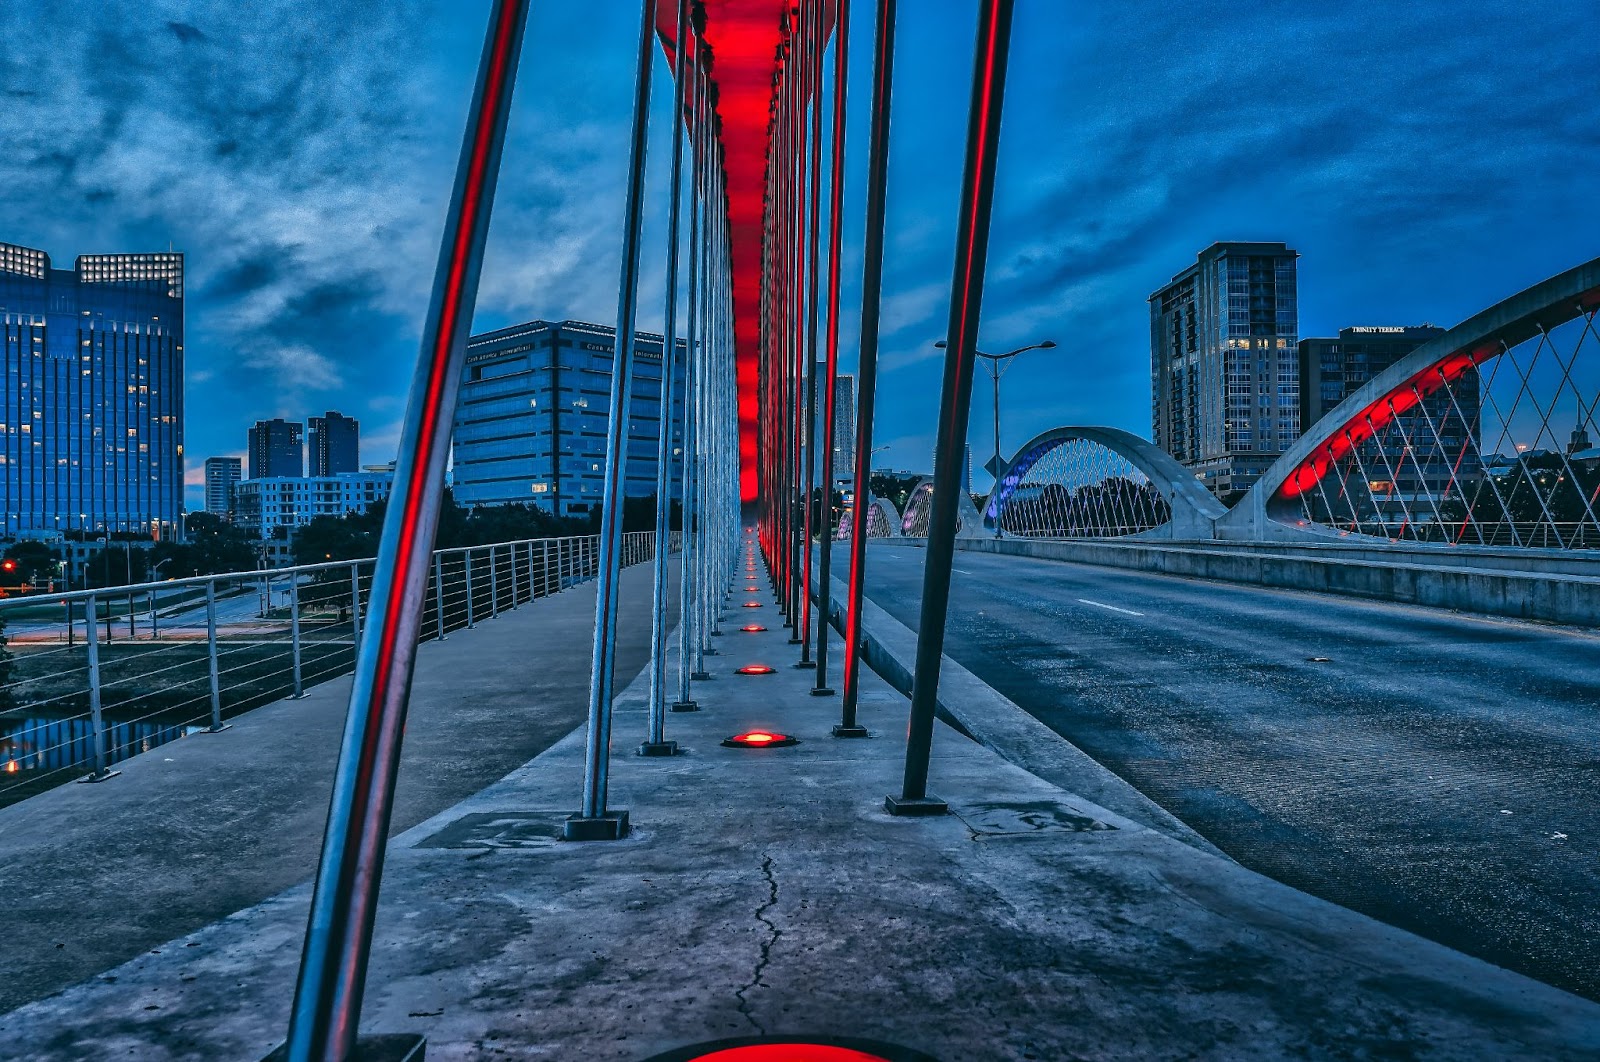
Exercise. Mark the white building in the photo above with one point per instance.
(272, 508)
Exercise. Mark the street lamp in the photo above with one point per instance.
(997, 367)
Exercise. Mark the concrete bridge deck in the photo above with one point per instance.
(767, 893)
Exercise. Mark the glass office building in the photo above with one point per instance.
(91, 428)
(277, 448)
(533, 409)
(1225, 371)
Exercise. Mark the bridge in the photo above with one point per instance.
(1112, 768)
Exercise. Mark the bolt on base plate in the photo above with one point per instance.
(915, 806)
(612, 826)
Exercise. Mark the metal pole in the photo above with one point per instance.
(327, 1003)
(97, 737)
(655, 742)
(211, 654)
(688, 612)
(813, 244)
(544, 568)
(994, 371)
(294, 633)
(512, 558)
(494, 585)
(467, 563)
(966, 298)
(593, 821)
(841, 60)
(438, 596)
(355, 605)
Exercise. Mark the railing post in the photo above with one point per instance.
(513, 558)
(438, 596)
(211, 654)
(494, 585)
(294, 633)
(97, 737)
(471, 618)
(355, 605)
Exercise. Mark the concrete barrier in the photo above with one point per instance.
(1491, 591)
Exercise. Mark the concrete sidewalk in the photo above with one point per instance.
(92, 875)
(767, 893)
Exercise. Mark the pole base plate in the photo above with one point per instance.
(611, 826)
(658, 748)
(822, 691)
(806, 665)
(380, 1047)
(700, 676)
(99, 776)
(842, 731)
(217, 729)
(915, 806)
(685, 706)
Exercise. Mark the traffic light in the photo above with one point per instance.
(8, 565)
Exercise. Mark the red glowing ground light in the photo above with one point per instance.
(775, 1050)
(752, 588)
(752, 604)
(754, 628)
(756, 669)
(758, 739)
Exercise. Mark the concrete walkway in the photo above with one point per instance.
(767, 893)
(92, 875)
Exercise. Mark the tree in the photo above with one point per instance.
(894, 487)
(32, 563)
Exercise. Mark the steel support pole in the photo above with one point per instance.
(467, 568)
(494, 585)
(594, 822)
(438, 597)
(327, 1003)
(211, 655)
(813, 268)
(688, 612)
(294, 635)
(655, 742)
(97, 726)
(841, 60)
(966, 302)
(867, 371)
(355, 604)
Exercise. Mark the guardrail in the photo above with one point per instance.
(97, 676)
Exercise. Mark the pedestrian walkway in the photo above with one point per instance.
(190, 832)
(765, 892)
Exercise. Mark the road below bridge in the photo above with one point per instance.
(1433, 770)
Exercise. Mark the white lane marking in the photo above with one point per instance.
(963, 571)
(1113, 608)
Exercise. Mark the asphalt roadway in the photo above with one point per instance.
(1434, 770)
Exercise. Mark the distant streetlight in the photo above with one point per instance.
(997, 367)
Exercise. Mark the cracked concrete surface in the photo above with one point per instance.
(1040, 938)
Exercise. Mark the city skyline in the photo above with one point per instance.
(307, 275)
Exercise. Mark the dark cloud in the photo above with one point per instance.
(185, 33)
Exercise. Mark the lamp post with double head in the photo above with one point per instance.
(997, 364)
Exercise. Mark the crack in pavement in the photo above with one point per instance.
(773, 933)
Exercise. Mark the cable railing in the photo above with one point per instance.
(96, 676)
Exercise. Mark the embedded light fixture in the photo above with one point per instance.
(756, 669)
(759, 739)
(752, 604)
(754, 628)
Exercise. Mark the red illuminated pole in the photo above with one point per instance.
(966, 302)
(867, 371)
(808, 413)
(326, 1011)
(841, 59)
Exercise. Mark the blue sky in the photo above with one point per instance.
(1425, 159)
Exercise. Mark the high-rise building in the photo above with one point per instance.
(1224, 367)
(276, 449)
(1426, 452)
(844, 428)
(333, 444)
(91, 429)
(222, 476)
(532, 413)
